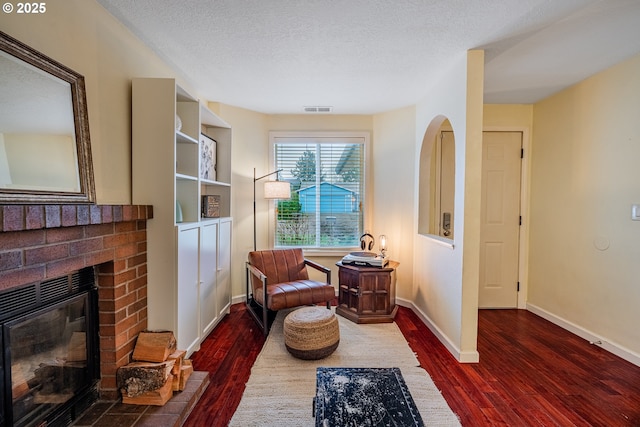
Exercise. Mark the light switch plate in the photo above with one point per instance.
(635, 212)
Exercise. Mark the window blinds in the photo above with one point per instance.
(326, 205)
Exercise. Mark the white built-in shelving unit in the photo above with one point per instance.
(188, 256)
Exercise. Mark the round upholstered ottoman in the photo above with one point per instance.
(311, 333)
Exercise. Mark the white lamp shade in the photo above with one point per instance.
(277, 190)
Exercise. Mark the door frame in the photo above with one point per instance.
(525, 189)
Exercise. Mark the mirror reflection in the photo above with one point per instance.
(37, 136)
(44, 137)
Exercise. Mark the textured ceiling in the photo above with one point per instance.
(369, 56)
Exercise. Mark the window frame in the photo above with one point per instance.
(315, 137)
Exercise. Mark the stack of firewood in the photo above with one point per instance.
(158, 369)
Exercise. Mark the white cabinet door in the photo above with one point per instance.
(188, 334)
(224, 266)
(208, 271)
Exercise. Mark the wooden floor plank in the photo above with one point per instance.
(531, 373)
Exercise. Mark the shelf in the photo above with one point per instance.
(183, 138)
(209, 119)
(183, 177)
(217, 183)
(187, 224)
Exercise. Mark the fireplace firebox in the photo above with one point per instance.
(49, 366)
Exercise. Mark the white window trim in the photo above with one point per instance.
(324, 136)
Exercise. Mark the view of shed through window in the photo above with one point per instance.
(327, 192)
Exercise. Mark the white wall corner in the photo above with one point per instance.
(463, 357)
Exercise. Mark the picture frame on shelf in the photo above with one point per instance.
(211, 206)
(207, 158)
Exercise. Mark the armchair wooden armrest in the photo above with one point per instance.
(259, 274)
(320, 268)
(252, 270)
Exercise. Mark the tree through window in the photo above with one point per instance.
(327, 191)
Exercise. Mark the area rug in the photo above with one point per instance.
(281, 388)
(364, 397)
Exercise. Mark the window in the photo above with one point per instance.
(326, 172)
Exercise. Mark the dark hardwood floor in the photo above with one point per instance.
(531, 373)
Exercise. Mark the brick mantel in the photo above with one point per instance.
(34, 217)
(39, 242)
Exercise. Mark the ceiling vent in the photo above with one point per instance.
(317, 109)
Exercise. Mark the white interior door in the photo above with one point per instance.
(500, 219)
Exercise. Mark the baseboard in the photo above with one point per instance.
(463, 357)
(594, 339)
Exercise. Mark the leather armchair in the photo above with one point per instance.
(278, 279)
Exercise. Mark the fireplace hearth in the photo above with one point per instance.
(49, 364)
(43, 242)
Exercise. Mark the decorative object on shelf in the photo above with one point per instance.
(207, 158)
(178, 212)
(211, 206)
(272, 190)
(178, 123)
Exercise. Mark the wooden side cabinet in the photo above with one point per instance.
(367, 294)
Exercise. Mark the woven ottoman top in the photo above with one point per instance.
(311, 332)
(309, 317)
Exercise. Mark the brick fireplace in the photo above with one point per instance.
(39, 242)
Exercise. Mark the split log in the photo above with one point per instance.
(177, 356)
(185, 373)
(154, 346)
(137, 378)
(156, 397)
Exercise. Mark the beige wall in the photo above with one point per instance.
(584, 249)
(446, 276)
(393, 181)
(83, 36)
(248, 150)
(508, 117)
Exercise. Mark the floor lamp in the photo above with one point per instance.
(272, 190)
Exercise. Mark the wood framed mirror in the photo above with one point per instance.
(45, 149)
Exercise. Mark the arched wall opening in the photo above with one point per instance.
(437, 180)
